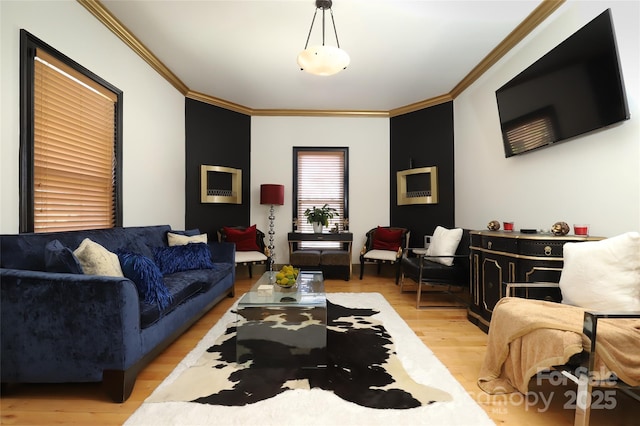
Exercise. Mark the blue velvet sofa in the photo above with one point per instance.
(72, 327)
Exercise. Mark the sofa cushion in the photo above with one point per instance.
(183, 258)
(59, 258)
(387, 239)
(444, 242)
(26, 250)
(179, 239)
(182, 286)
(147, 277)
(97, 260)
(603, 275)
(244, 239)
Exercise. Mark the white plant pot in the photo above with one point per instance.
(317, 227)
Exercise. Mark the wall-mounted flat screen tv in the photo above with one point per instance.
(575, 88)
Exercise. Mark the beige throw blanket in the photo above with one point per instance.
(527, 336)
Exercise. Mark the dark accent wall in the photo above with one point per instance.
(217, 137)
(423, 138)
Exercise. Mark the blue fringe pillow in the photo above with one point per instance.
(147, 277)
(183, 258)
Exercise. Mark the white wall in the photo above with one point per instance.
(153, 136)
(593, 179)
(272, 139)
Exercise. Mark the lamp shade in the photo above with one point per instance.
(323, 60)
(272, 194)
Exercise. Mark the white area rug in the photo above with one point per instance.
(318, 407)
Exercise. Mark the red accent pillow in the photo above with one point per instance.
(387, 239)
(245, 240)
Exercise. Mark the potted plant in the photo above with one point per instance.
(319, 216)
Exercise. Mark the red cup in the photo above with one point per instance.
(582, 230)
(507, 226)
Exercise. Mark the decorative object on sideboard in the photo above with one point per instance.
(319, 216)
(219, 184)
(273, 195)
(581, 230)
(323, 59)
(508, 226)
(494, 225)
(560, 228)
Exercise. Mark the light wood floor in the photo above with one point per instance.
(459, 344)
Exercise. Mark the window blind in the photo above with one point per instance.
(320, 181)
(74, 149)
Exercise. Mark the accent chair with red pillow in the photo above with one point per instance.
(384, 244)
(250, 246)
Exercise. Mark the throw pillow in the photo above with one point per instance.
(444, 242)
(147, 277)
(180, 240)
(58, 258)
(188, 232)
(602, 275)
(387, 239)
(245, 240)
(97, 260)
(183, 258)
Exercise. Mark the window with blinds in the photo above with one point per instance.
(320, 177)
(72, 149)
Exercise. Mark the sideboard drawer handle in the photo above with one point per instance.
(489, 244)
(547, 250)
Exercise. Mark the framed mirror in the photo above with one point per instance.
(220, 184)
(418, 186)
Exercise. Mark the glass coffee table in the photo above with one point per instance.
(283, 327)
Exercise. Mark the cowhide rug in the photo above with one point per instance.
(365, 366)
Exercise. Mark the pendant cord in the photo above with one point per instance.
(310, 29)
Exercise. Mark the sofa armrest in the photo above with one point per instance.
(66, 327)
(223, 252)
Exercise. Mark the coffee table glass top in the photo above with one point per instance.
(307, 291)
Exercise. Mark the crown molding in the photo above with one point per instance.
(103, 15)
(543, 11)
(421, 105)
(535, 18)
(281, 112)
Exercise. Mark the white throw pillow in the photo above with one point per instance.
(603, 275)
(444, 242)
(180, 240)
(97, 260)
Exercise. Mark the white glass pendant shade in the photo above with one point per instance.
(323, 60)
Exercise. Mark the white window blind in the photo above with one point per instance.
(74, 149)
(320, 180)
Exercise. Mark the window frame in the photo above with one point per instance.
(28, 47)
(345, 152)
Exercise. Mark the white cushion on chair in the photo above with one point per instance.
(250, 256)
(444, 242)
(603, 275)
(387, 255)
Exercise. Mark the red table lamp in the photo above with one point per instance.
(273, 195)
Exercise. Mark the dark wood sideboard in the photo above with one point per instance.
(500, 257)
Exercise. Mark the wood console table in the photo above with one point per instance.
(329, 260)
(499, 257)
